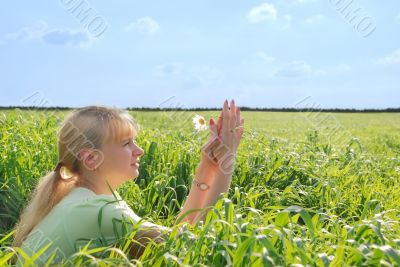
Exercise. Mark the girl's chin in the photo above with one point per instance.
(132, 177)
(135, 173)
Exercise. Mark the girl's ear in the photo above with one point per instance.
(91, 158)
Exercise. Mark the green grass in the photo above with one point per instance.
(303, 193)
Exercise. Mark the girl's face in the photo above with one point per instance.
(121, 161)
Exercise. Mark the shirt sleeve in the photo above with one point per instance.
(103, 222)
(119, 221)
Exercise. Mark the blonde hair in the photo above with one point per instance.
(88, 127)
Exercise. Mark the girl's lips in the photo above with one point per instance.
(136, 164)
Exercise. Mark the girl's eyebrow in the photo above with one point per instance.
(124, 140)
(127, 139)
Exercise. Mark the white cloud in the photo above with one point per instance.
(298, 69)
(202, 77)
(315, 18)
(393, 58)
(189, 76)
(264, 57)
(145, 25)
(29, 33)
(298, 2)
(343, 68)
(67, 37)
(287, 21)
(39, 32)
(171, 68)
(303, 1)
(262, 13)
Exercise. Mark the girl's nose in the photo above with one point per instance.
(138, 151)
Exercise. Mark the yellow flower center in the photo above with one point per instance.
(202, 121)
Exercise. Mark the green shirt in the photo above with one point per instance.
(79, 217)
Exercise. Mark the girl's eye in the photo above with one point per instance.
(130, 140)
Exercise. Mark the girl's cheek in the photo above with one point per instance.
(127, 154)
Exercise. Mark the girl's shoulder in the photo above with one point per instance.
(85, 202)
(87, 209)
(83, 194)
(83, 205)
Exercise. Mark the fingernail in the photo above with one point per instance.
(211, 122)
(226, 101)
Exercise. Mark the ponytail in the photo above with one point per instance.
(49, 191)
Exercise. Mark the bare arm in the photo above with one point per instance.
(198, 198)
(216, 165)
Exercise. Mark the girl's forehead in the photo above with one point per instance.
(121, 139)
(121, 131)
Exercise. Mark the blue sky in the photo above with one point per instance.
(335, 53)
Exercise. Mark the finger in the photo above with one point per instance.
(241, 128)
(225, 117)
(219, 124)
(238, 119)
(232, 115)
(213, 127)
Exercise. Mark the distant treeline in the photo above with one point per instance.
(337, 110)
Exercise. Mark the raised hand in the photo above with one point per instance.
(217, 163)
(225, 138)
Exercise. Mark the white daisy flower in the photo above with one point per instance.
(199, 123)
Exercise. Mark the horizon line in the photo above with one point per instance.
(243, 108)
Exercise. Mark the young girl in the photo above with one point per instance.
(77, 202)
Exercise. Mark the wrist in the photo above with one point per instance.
(205, 172)
(226, 165)
(208, 163)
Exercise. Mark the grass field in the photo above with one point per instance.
(309, 189)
